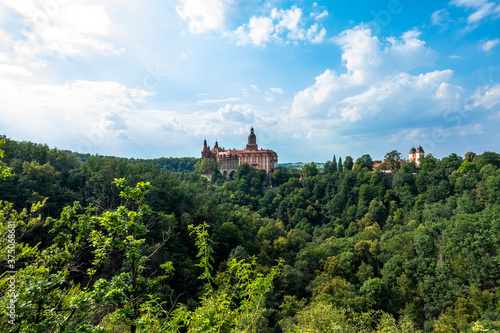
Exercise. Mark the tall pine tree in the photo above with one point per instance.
(341, 167)
(334, 164)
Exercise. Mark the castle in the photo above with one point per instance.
(230, 159)
(416, 154)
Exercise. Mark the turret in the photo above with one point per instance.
(416, 154)
(252, 141)
(205, 150)
(419, 154)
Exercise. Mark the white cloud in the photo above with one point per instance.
(79, 111)
(113, 123)
(12, 69)
(440, 18)
(276, 90)
(313, 36)
(243, 113)
(282, 25)
(376, 88)
(489, 44)
(485, 10)
(486, 97)
(215, 101)
(410, 52)
(289, 21)
(366, 57)
(470, 129)
(203, 15)
(323, 14)
(416, 133)
(432, 136)
(325, 87)
(360, 53)
(254, 87)
(54, 28)
(481, 9)
(261, 29)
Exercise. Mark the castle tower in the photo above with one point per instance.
(411, 156)
(416, 154)
(205, 150)
(252, 141)
(419, 155)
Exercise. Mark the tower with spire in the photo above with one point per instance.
(252, 141)
(205, 150)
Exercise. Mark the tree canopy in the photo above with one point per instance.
(115, 245)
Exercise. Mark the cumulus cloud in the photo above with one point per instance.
(260, 30)
(203, 15)
(78, 110)
(242, 113)
(315, 35)
(281, 25)
(51, 28)
(377, 89)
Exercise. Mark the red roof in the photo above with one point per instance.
(246, 152)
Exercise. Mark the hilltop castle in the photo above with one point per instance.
(230, 159)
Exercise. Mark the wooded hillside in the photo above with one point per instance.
(115, 245)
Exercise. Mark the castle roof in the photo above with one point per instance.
(420, 149)
(247, 152)
(413, 150)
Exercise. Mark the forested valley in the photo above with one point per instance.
(107, 244)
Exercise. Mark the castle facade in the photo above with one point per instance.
(229, 160)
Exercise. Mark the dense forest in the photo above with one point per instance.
(102, 244)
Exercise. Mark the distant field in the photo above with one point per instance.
(300, 165)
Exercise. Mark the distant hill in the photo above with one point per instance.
(41, 153)
(300, 165)
(172, 164)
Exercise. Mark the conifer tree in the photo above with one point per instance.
(341, 167)
(334, 164)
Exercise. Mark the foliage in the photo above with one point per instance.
(106, 244)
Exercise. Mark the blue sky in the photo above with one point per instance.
(148, 78)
